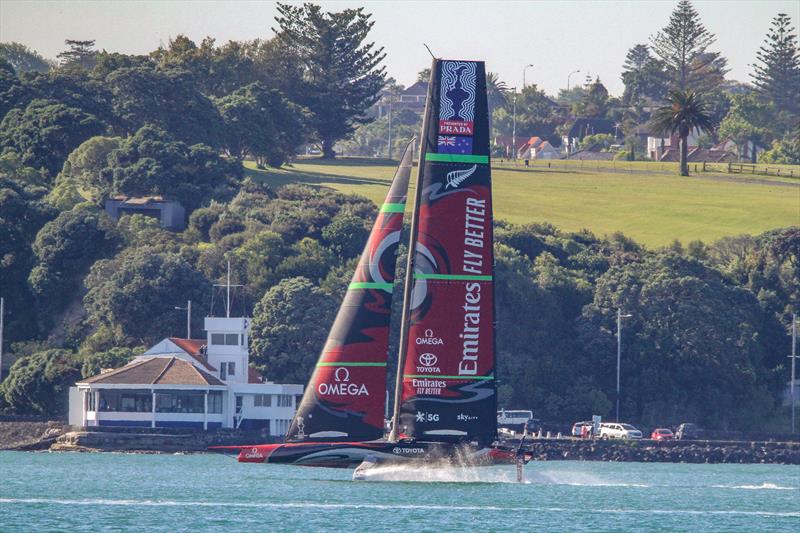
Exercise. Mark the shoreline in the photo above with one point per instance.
(51, 436)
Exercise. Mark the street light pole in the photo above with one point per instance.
(523, 74)
(514, 127)
(188, 310)
(389, 144)
(620, 316)
(569, 76)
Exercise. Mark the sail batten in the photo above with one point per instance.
(346, 395)
(447, 386)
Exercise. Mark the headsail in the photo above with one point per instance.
(346, 394)
(448, 387)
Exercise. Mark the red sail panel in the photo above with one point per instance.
(448, 377)
(346, 395)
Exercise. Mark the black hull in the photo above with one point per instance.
(351, 454)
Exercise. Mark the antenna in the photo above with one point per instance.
(429, 50)
(227, 286)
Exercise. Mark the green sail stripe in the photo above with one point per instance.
(435, 376)
(393, 208)
(328, 363)
(371, 285)
(464, 277)
(457, 158)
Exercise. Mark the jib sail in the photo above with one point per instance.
(346, 395)
(448, 387)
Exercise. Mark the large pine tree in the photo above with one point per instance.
(682, 45)
(342, 75)
(777, 72)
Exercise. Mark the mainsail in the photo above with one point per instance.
(447, 344)
(346, 395)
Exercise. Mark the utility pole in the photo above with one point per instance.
(620, 316)
(569, 76)
(389, 143)
(188, 310)
(792, 396)
(2, 302)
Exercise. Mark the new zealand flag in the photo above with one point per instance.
(453, 144)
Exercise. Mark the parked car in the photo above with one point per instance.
(617, 430)
(577, 427)
(689, 431)
(662, 434)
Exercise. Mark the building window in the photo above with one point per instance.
(218, 339)
(223, 371)
(215, 402)
(180, 402)
(262, 400)
(232, 339)
(284, 400)
(231, 369)
(91, 401)
(125, 401)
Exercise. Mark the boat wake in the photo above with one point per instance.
(763, 486)
(437, 474)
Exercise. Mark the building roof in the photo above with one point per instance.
(254, 376)
(155, 371)
(591, 126)
(419, 87)
(194, 348)
(138, 200)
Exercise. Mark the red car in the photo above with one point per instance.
(662, 434)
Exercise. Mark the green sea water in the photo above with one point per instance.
(123, 492)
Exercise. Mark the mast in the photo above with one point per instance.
(408, 286)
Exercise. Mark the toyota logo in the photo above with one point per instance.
(427, 359)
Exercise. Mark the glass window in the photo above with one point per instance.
(223, 371)
(218, 339)
(284, 400)
(231, 369)
(125, 401)
(232, 339)
(215, 402)
(91, 406)
(180, 402)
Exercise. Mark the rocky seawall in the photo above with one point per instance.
(649, 451)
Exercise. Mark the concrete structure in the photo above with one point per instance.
(198, 383)
(170, 214)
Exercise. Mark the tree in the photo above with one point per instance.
(152, 162)
(37, 384)
(496, 91)
(82, 168)
(135, 293)
(80, 54)
(342, 74)
(747, 124)
(692, 349)
(24, 59)
(682, 46)
(785, 151)
(595, 104)
(261, 122)
(290, 325)
(45, 133)
(685, 113)
(65, 248)
(167, 99)
(23, 211)
(643, 76)
(777, 72)
(94, 363)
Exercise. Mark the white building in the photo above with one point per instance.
(203, 384)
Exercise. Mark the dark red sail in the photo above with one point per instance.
(346, 396)
(448, 387)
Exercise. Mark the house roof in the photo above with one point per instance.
(195, 348)
(591, 126)
(155, 371)
(419, 87)
(254, 376)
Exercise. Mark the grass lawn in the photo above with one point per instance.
(652, 208)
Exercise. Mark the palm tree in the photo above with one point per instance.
(495, 90)
(685, 112)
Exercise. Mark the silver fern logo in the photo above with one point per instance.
(457, 177)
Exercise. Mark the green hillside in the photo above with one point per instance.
(652, 208)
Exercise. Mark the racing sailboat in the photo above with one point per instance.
(445, 394)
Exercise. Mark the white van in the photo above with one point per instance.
(617, 430)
